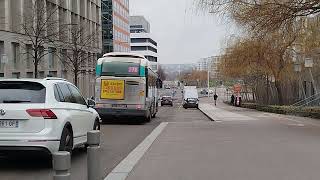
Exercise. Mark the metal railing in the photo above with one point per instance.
(313, 100)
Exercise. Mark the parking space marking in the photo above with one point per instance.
(122, 170)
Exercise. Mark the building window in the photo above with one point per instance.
(51, 53)
(138, 48)
(53, 74)
(16, 75)
(63, 58)
(28, 56)
(152, 49)
(15, 54)
(139, 40)
(1, 52)
(29, 74)
(41, 74)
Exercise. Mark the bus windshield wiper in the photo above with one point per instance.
(15, 101)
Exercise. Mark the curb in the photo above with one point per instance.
(209, 117)
(126, 166)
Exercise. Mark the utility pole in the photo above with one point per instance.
(208, 78)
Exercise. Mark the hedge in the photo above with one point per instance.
(313, 112)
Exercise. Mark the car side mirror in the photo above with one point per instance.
(91, 103)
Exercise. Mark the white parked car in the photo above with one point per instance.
(44, 115)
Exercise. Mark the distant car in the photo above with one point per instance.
(203, 91)
(168, 87)
(166, 100)
(47, 115)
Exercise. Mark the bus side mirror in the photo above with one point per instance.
(159, 84)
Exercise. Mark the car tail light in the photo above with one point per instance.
(45, 113)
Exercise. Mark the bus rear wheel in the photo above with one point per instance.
(154, 115)
(149, 117)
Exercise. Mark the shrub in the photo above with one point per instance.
(313, 112)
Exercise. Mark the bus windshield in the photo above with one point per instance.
(120, 69)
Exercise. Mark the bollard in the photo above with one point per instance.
(61, 165)
(93, 155)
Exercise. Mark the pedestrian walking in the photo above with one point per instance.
(232, 99)
(215, 97)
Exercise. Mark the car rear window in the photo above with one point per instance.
(166, 98)
(22, 92)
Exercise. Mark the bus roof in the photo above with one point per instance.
(123, 54)
(142, 60)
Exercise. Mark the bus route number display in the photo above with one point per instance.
(133, 69)
(112, 89)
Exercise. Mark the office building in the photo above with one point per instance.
(142, 41)
(16, 54)
(115, 26)
(209, 64)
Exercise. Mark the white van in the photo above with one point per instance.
(190, 97)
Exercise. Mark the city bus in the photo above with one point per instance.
(126, 86)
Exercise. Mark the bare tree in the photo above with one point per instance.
(40, 28)
(263, 15)
(256, 59)
(81, 42)
(161, 73)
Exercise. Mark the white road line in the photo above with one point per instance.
(122, 170)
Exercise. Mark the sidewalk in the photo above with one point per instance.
(218, 114)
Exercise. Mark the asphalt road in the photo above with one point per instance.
(118, 140)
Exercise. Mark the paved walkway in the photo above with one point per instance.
(218, 114)
(232, 147)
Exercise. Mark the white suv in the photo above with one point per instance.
(44, 114)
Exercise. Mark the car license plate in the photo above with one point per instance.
(119, 106)
(9, 124)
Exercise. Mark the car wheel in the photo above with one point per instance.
(96, 125)
(66, 141)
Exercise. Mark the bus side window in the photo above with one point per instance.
(147, 82)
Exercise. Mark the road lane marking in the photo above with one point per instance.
(122, 170)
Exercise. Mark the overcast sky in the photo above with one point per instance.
(183, 34)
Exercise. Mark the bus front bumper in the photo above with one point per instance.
(106, 113)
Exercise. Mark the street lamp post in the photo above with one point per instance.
(297, 69)
(208, 82)
(308, 63)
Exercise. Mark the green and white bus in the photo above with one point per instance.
(126, 87)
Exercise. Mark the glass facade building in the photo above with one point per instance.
(115, 26)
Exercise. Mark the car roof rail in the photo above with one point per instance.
(54, 78)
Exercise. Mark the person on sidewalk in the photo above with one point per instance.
(215, 97)
(232, 99)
